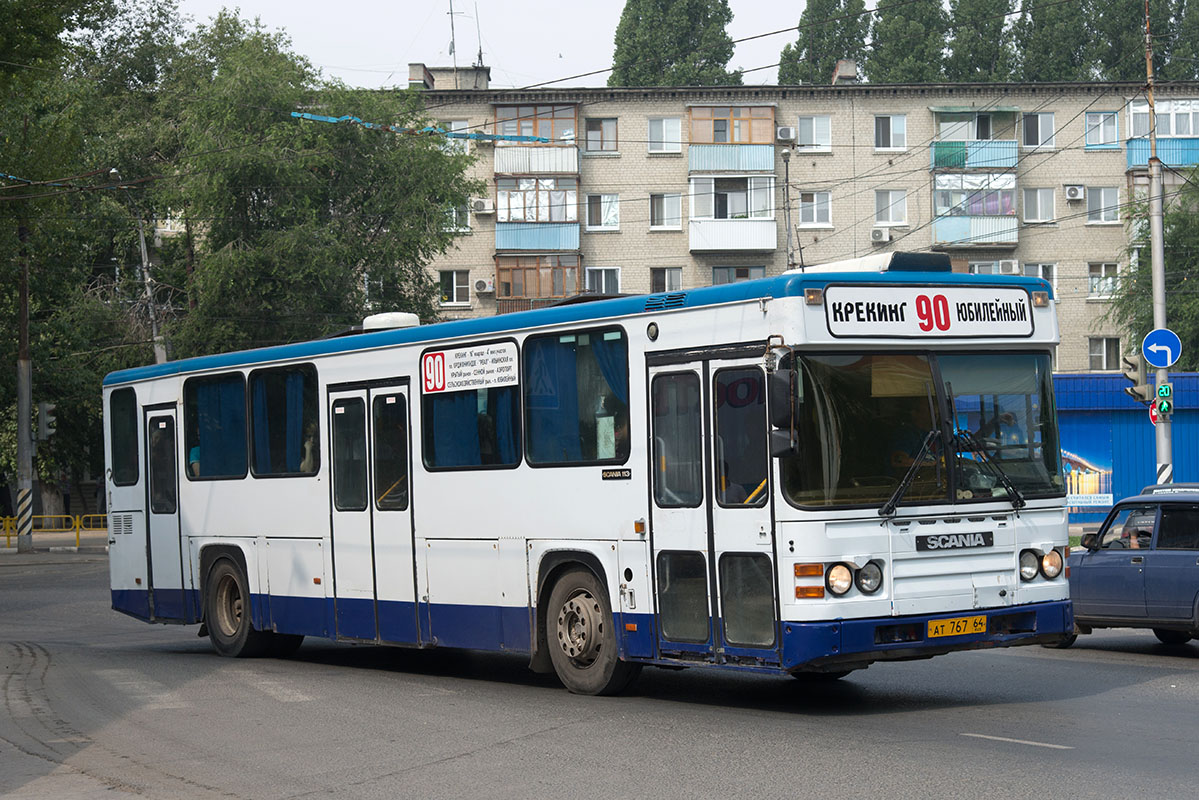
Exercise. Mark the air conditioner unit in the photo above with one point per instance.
(880, 235)
(485, 286)
(482, 205)
(785, 133)
(1009, 267)
(1074, 192)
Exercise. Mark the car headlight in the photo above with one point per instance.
(1051, 564)
(1029, 564)
(838, 579)
(869, 578)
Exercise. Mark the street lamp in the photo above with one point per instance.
(160, 350)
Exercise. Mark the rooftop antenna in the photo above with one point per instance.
(479, 35)
(453, 49)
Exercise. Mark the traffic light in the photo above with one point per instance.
(1165, 399)
(45, 420)
(1135, 371)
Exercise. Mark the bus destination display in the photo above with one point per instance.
(927, 311)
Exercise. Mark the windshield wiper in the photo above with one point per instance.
(888, 509)
(1000, 474)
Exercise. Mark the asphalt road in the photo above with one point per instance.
(98, 705)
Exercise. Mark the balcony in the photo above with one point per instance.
(972, 232)
(988, 154)
(545, 159)
(537, 236)
(730, 157)
(1174, 151)
(733, 234)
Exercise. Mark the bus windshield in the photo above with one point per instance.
(864, 418)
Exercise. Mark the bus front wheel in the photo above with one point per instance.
(227, 612)
(582, 637)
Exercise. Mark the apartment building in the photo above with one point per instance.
(663, 189)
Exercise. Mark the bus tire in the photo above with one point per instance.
(227, 612)
(582, 637)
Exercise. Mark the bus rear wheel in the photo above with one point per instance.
(227, 613)
(582, 637)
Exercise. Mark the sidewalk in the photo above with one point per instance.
(93, 542)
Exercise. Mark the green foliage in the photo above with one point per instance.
(1119, 26)
(673, 43)
(1132, 305)
(1184, 54)
(908, 43)
(980, 41)
(828, 30)
(1052, 43)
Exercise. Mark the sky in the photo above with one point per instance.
(369, 43)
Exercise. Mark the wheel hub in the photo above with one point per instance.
(580, 628)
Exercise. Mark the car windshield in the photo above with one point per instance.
(864, 416)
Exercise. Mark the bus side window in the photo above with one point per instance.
(214, 413)
(123, 436)
(283, 421)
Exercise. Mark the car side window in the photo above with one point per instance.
(1179, 528)
(1131, 528)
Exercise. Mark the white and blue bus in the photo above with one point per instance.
(801, 475)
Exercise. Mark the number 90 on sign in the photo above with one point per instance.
(932, 312)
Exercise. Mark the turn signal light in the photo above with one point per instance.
(809, 592)
(809, 570)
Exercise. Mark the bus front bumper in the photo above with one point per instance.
(854, 643)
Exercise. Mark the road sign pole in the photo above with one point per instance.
(1165, 455)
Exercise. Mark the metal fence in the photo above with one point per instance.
(58, 523)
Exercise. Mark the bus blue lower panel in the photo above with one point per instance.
(134, 602)
(846, 641)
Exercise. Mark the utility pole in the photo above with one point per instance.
(160, 350)
(786, 154)
(24, 405)
(1165, 455)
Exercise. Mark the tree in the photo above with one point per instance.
(907, 43)
(980, 41)
(1120, 26)
(829, 30)
(1052, 43)
(1184, 54)
(1132, 305)
(673, 43)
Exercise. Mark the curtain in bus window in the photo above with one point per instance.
(612, 355)
(455, 429)
(221, 428)
(279, 420)
(262, 430)
(295, 421)
(552, 400)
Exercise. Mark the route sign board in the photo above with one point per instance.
(1161, 347)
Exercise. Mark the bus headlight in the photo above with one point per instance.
(1029, 564)
(838, 579)
(1051, 564)
(869, 578)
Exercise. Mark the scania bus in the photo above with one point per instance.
(803, 474)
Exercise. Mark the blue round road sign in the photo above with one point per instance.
(1161, 347)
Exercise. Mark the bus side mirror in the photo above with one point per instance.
(783, 396)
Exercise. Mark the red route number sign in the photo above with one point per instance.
(434, 372)
(932, 312)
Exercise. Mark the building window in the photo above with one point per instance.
(283, 421)
(603, 280)
(537, 200)
(454, 145)
(666, 211)
(577, 397)
(556, 123)
(603, 212)
(666, 279)
(721, 275)
(1101, 129)
(814, 209)
(732, 125)
(601, 135)
(455, 287)
(814, 134)
(537, 276)
(891, 207)
(458, 218)
(1102, 279)
(975, 195)
(1047, 272)
(665, 135)
(963, 127)
(1103, 204)
(1038, 205)
(1105, 353)
(1174, 117)
(732, 198)
(890, 132)
(1038, 129)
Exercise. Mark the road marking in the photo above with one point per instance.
(279, 691)
(152, 695)
(1017, 741)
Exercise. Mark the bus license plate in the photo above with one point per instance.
(958, 626)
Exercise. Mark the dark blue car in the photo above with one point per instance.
(1141, 569)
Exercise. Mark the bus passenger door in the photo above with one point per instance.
(373, 573)
(164, 550)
